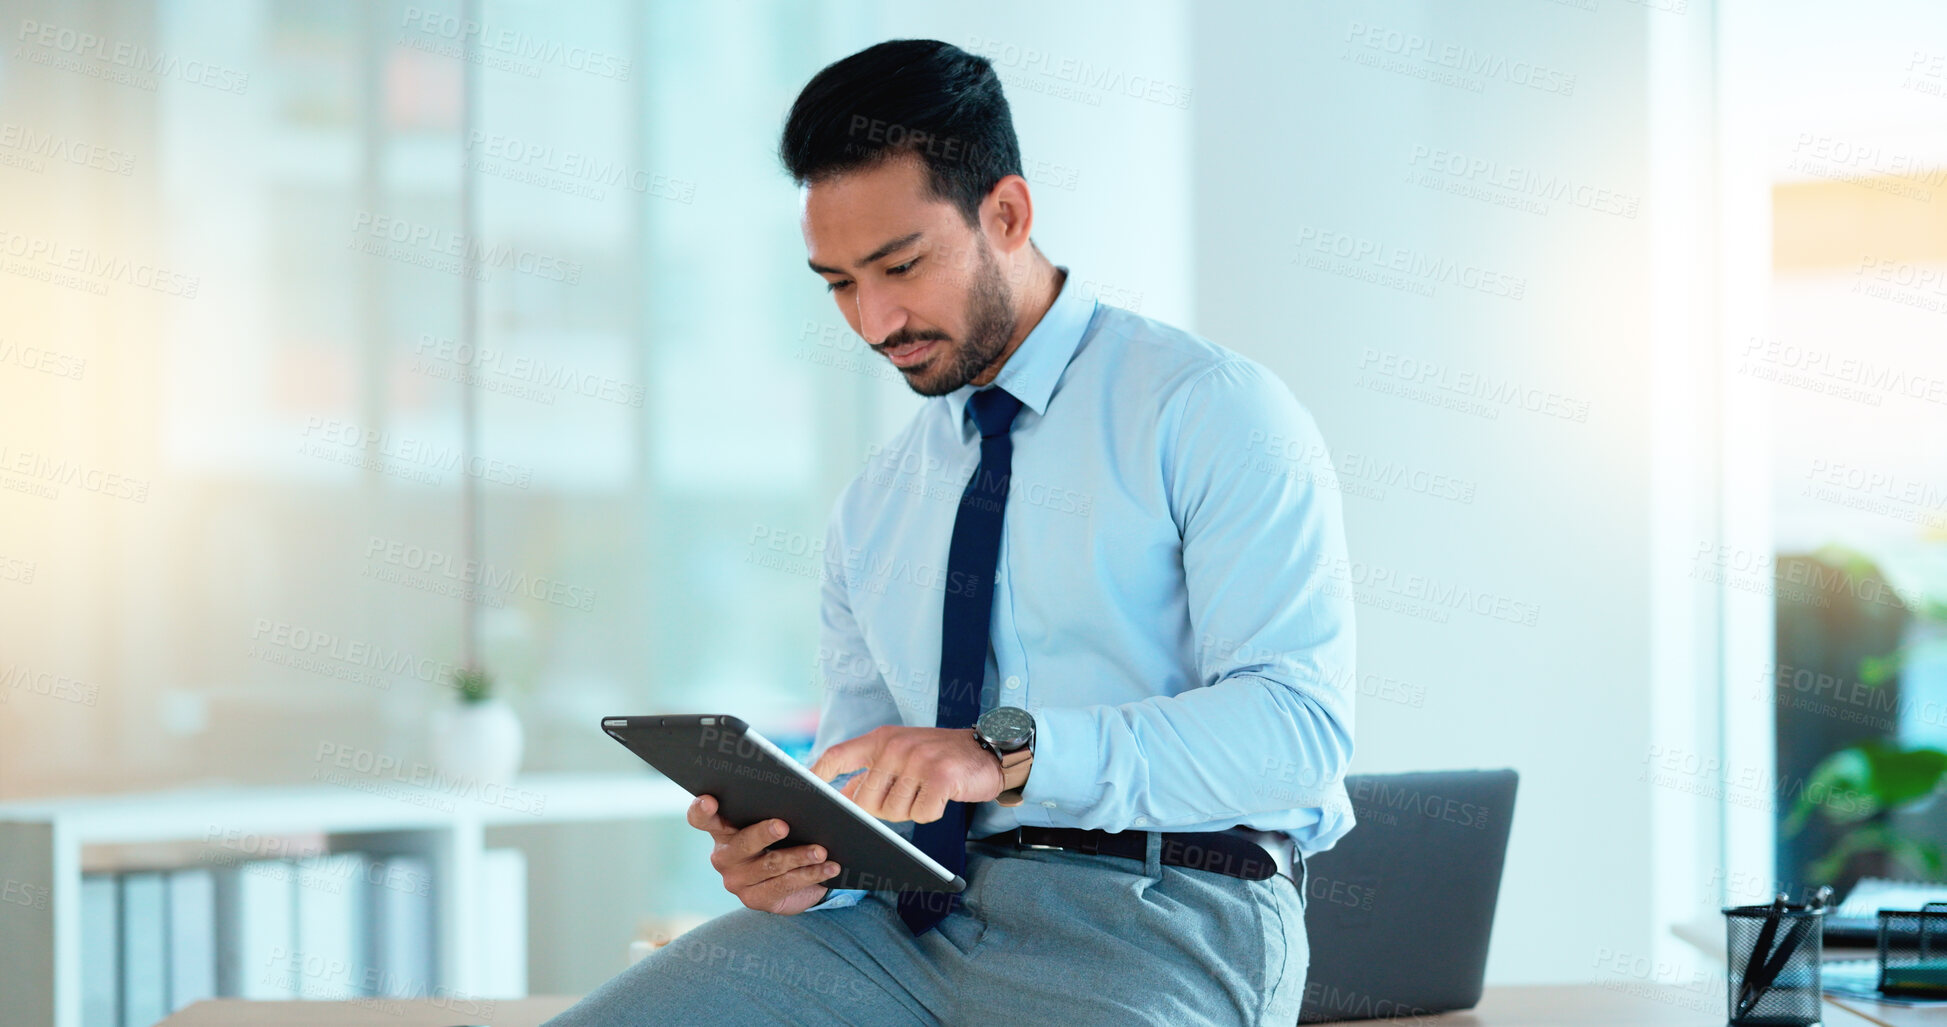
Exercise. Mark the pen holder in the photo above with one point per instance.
(1913, 951)
(1772, 965)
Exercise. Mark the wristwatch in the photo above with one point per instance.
(1008, 732)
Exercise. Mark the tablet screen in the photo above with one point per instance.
(754, 780)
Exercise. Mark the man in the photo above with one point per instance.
(1080, 639)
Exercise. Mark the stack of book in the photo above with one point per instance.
(338, 926)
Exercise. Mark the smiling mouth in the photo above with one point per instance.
(911, 353)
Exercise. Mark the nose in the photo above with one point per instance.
(879, 315)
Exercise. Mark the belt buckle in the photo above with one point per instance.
(1031, 845)
(1277, 845)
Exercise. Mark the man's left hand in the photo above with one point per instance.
(911, 773)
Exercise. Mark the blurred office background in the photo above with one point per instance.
(1623, 319)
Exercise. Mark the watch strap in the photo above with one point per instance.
(1014, 775)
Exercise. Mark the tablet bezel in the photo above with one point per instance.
(768, 757)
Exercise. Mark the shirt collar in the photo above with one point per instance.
(1036, 365)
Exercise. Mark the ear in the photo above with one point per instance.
(1007, 215)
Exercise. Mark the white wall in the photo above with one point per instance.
(1297, 133)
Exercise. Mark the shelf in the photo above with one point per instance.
(41, 843)
(189, 813)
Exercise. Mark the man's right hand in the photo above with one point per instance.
(777, 881)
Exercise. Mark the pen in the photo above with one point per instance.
(1767, 975)
(1755, 963)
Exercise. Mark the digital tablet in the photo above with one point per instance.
(753, 780)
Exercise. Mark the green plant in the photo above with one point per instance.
(1857, 787)
(474, 684)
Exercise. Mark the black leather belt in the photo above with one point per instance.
(1224, 852)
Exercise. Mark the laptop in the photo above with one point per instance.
(1400, 910)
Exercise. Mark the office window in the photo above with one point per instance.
(329, 482)
(1856, 387)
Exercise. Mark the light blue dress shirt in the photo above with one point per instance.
(1170, 602)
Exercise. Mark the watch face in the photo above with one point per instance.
(1006, 727)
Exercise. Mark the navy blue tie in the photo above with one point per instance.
(970, 563)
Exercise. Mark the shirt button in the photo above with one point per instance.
(1050, 803)
(1140, 821)
(1013, 682)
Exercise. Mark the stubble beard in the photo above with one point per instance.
(990, 324)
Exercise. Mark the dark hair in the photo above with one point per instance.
(917, 96)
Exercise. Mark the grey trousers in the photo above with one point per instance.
(1041, 937)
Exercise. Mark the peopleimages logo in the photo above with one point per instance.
(390, 559)
(371, 771)
(572, 171)
(515, 44)
(1430, 591)
(1454, 57)
(15, 569)
(423, 244)
(46, 361)
(333, 655)
(93, 271)
(15, 677)
(403, 456)
(1375, 799)
(66, 149)
(42, 475)
(1526, 183)
(1401, 267)
(1494, 392)
(519, 375)
(21, 893)
(127, 63)
(1079, 73)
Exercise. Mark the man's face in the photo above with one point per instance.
(917, 283)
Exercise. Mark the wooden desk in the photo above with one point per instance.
(1583, 1005)
(1889, 1016)
(236, 1012)
(1591, 1005)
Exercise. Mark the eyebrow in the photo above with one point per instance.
(897, 244)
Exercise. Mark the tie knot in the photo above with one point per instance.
(993, 411)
